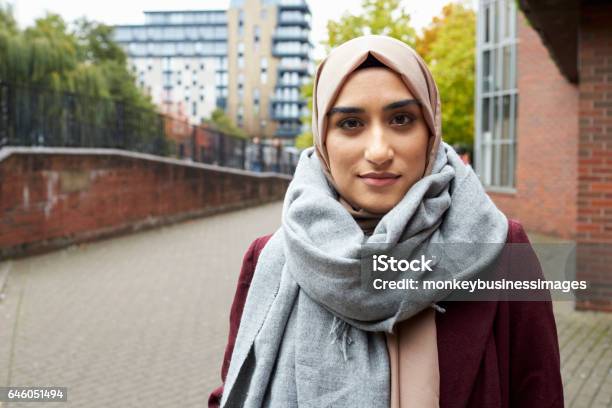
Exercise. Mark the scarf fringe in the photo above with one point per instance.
(339, 331)
(438, 308)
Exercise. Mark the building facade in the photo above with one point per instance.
(250, 60)
(180, 59)
(269, 61)
(526, 123)
(544, 122)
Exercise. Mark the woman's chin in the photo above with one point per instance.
(377, 207)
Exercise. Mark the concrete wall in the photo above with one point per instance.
(53, 197)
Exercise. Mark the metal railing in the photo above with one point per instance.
(31, 116)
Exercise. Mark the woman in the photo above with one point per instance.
(310, 334)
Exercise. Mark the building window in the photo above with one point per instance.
(223, 63)
(240, 55)
(263, 78)
(256, 34)
(256, 100)
(240, 86)
(167, 76)
(240, 115)
(496, 94)
(241, 23)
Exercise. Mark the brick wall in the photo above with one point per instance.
(54, 197)
(595, 154)
(547, 133)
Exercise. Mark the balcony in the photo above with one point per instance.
(302, 21)
(289, 35)
(279, 99)
(299, 5)
(302, 67)
(279, 114)
(288, 132)
(281, 51)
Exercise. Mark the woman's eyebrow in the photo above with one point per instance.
(344, 109)
(402, 103)
(353, 109)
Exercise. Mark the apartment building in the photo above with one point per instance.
(180, 59)
(250, 60)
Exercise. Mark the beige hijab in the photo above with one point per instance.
(413, 353)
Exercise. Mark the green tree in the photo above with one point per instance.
(383, 17)
(96, 42)
(304, 140)
(7, 21)
(222, 122)
(54, 59)
(448, 46)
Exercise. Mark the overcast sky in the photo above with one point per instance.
(130, 11)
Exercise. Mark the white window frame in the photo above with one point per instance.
(488, 146)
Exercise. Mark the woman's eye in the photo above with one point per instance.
(402, 120)
(349, 124)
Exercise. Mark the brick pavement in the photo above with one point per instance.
(136, 321)
(141, 320)
(585, 341)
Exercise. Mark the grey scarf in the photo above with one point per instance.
(311, 335)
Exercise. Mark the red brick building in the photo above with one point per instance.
(544, 123)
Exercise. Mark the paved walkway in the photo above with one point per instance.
(142, 320)
(136, 321)
(585, 339)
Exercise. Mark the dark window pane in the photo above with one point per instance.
(505, 134)
(504, 162)
(486, 109)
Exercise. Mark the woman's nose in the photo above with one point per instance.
(378, 151)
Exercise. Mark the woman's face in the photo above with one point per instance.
(376, 139)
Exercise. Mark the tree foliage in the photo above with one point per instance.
(81, 59)
(447, 45)
(222, 122)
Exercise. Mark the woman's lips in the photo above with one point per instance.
(379, 179)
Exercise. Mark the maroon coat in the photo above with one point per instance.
(491, 354)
